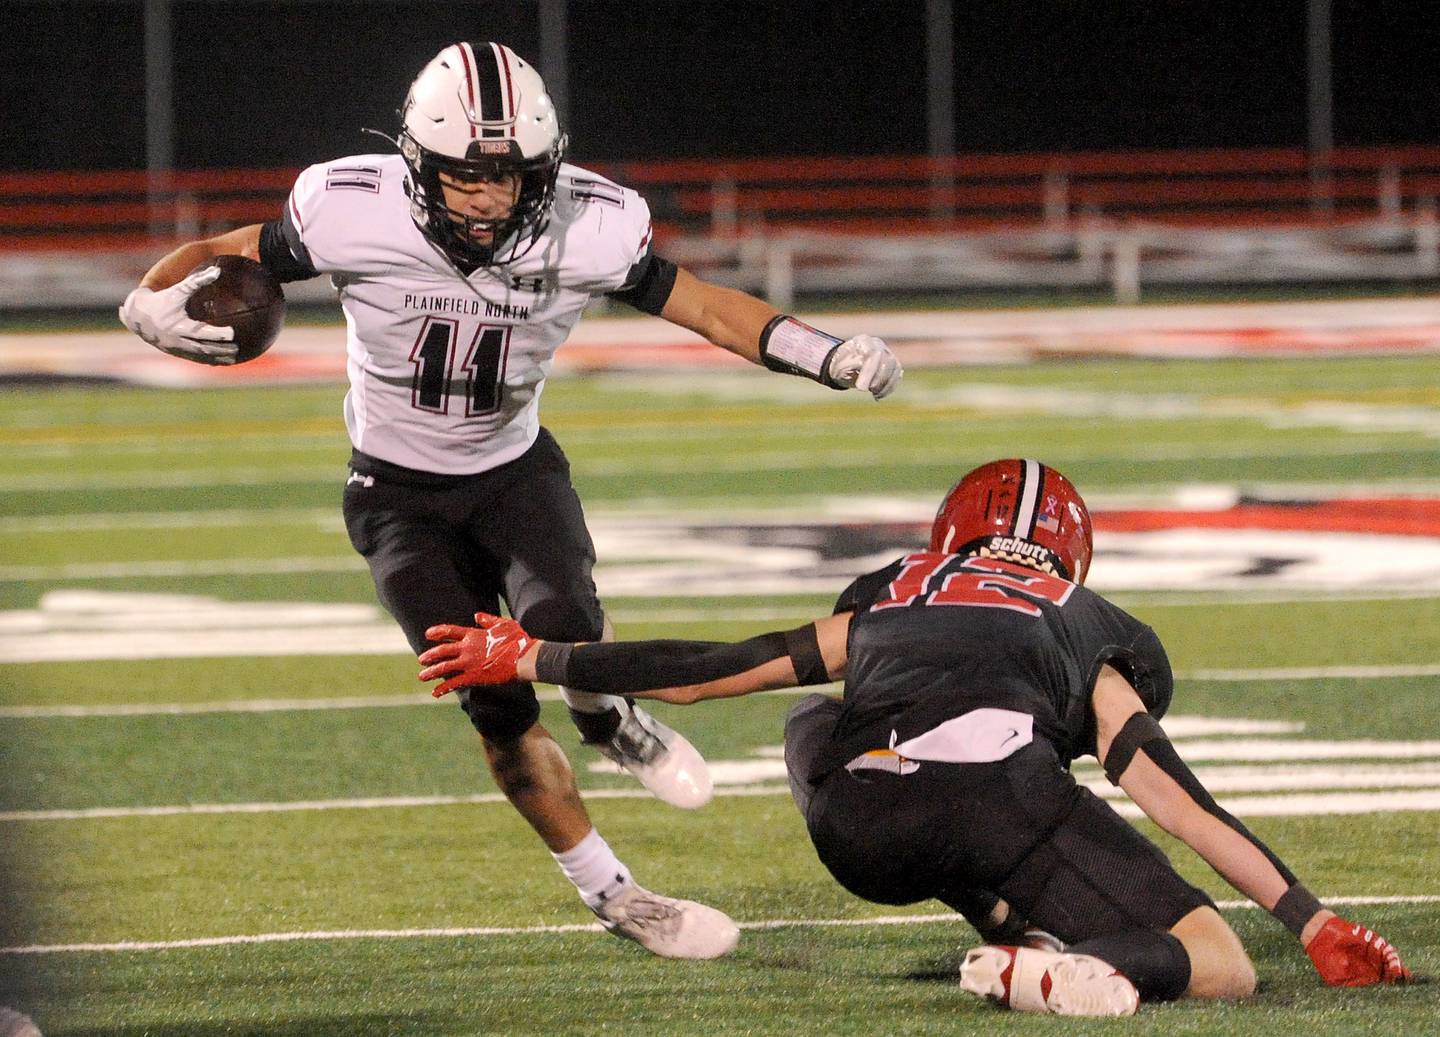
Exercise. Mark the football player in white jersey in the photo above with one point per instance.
(462, 263)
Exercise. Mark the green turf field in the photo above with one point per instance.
(170, 805)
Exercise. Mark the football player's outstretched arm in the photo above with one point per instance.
(752, 328)
(499, 651)
(729, 318)
(1139, 758)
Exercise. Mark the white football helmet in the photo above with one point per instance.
(478, 111)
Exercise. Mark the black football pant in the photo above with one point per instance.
(443, 547)
(1020, 827)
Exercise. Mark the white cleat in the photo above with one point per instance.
(1030, 980)
(17, 1024)
(668, 927)
(663, 759)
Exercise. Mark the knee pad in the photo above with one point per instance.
(814, 709)
(502, 712)
(808, 727)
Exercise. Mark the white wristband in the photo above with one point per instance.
(793, 347)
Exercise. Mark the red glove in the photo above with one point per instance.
(470, 655)
(1349, 955)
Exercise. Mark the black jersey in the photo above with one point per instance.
(935, 636)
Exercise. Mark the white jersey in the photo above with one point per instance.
(446, 370)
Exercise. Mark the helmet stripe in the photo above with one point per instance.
(1030, 478)
(492, 103)
(502, 56)
(949, 539)
(472, 105)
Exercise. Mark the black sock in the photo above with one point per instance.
(1155, 962)
(596, 728)
(977, 905)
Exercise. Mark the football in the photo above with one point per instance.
(246, 297)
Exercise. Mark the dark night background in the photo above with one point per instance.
(288, 82)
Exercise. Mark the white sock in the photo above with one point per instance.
(597, 873)
(592, 701)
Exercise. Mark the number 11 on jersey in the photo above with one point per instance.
(434, 356)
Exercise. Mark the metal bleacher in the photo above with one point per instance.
(788, 226)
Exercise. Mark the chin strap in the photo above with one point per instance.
(393, 140)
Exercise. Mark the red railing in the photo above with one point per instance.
(123, 209)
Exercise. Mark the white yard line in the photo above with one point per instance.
(843, 459)
(1271, 779)
(173, 478)
(133, 709)
(1302, 804)
(470, 932)
(752, 461)
(1311, 673)
(147, 709)
(109, 522)
(419, 700)
(1327, 804)
(64, 445)
(1190, 599)
(219, 567)
(302, 565)
(373, 803)
(781, 508)
(1281, 750)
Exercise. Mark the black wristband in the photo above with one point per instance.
(1296, 906)
(552, 659)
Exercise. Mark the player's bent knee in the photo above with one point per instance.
(1222, 980)
(1219, 966)
(556, 619)
(502, 712)
(1226, 980)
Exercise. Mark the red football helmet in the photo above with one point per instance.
(1020, 511)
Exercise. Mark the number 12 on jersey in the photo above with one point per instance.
(976, 582)
(483, 365)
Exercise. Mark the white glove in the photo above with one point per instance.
(160, 319)
(866, 363)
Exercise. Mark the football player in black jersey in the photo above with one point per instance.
(975, 672)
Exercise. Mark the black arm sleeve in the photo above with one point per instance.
(648, 285)
(283, 253)
(617, 667)
(1142, 734)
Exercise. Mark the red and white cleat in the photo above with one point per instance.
(1030, 980)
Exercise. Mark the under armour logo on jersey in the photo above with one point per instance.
(366, 481)
(526, 284)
